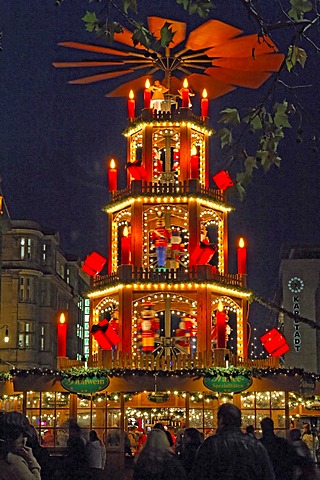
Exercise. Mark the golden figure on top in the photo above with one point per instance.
(158, 95)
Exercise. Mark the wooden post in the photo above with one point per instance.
(147, 159)
(136, 233)
(204, 319)
(125, 318)
(194, 225)
(185, 152)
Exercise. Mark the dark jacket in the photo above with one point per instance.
(283, 456)
(158, 466)
(231, 455)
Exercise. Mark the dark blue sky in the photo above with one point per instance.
(55, 139)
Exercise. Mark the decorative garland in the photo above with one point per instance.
(230, 372)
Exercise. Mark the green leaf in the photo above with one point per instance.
(143, 36)
(281, 117)
(89, 17)
(166, 34)
(130, 4)
(299, 8)
(241, 191)
(295, 55)
(225, 136)
(250, 163)
(230, 115)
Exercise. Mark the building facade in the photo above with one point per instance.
(38, 283)
(300, 288)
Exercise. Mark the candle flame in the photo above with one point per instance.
(220, 306)
(204, 93)
(185, 83)
(62, 318)
(131, 94)
(125, 232)
(147, 84)
(241, 243)
(194, 150)
(112, 163)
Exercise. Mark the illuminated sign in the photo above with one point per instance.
(85, 385)
(226, 384)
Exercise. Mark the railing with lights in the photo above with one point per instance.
(178, 189)
(130, 274)
(149, 362)
(175, 115)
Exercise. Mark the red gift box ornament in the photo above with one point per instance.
(105, 335)
(223, 180)
(93, 264)
(275, 343)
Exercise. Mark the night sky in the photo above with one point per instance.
(55, 139)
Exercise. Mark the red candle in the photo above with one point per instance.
(221, 324)
(62, 336)
(242, 258)
(125, 247)
(185, 94)
(113, 176)
(131, 105)
(204, 104)
(194, 163)
(147, 94)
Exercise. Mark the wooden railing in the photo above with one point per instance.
(64, 363)
(192, 187)
(130, 274)
(111, 359)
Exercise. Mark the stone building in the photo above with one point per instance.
(38, 282)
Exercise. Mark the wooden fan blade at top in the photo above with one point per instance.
(135, 85)
(94, 48)
(84, 64)
(261, 63)
(215, 88)
(239, 78)
(99, 77)
(211, 33)
(156, 23)
(250, 45)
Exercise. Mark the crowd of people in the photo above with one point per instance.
(162, 454)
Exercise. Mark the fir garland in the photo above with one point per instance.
(78, 373)
(229, 372)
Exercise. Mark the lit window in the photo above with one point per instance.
(68, 276)
(44, 252)
(42, 338)
(25, 248)
(25, 335)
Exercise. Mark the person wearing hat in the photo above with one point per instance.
(16, 459)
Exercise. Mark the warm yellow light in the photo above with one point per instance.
(147, 84)
(62, 318)
(204, 93)
(220, 306)
(112, 163)
(194, 150)
(125, 232)
(185, 83)
(241, 243)
(131, 94)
